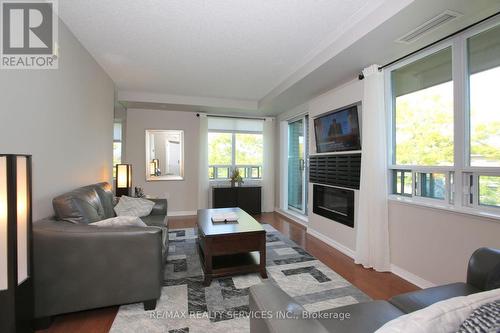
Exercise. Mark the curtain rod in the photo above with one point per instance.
(361, 76)
(230, 116)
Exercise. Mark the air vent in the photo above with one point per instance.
(429, 26)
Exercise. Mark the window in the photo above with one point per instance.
(234, 144)
(249, 149)
(402, 182)
(117, 145)
(489, 191)
(220, 148)
(423, 111)
(484, 98)
(434, 158)
(431, 185)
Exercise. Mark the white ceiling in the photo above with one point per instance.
(259, 56)
(234, 49)
(378, 46)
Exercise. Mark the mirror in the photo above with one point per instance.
(164, 155)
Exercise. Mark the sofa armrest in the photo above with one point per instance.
(160, 207)
(78, 267)
(273, 311)
(483, 271)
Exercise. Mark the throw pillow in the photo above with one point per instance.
(485, 319)
(128, 206)
(120, 221)
(441, 317)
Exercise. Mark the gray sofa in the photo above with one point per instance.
(78, 266)
(483, 273)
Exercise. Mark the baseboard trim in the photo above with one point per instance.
(333, 243)
(410, 277)
(181, 213)
(299, 220)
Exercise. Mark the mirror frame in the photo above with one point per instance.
(150, 178)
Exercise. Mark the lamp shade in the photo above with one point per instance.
(123, 185)
(16, 288)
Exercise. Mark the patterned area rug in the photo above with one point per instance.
(187, 306)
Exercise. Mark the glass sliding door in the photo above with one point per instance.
(297, 156)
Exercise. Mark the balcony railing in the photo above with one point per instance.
(224, 171)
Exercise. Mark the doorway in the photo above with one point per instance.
(297, 164)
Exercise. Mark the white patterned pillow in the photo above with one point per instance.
(120, 221)
(485, 319)
(128, 206)
(441, 317)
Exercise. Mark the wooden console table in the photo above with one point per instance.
(247, 198)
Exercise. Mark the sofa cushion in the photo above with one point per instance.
(159, 221)
(82, 205)
(160, 207)
(271, 301)
(154, 220)
(420, 299)
(105, 193)
(128, 206)
(120, 221)
(441, 317)
(364, 317)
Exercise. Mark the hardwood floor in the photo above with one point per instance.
(375, 284)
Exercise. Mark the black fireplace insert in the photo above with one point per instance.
(334, 203)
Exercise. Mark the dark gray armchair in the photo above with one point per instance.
(483, 273)
(78, 266)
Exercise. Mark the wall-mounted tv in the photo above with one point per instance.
(338, 131)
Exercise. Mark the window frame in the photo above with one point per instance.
(461, 167)
(474, 190)
(233, 164)
(120, 141)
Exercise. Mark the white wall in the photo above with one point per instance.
(63, 117)
(182, 195)
(435, 244)
(343, 236)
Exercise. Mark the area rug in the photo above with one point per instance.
(187, 306)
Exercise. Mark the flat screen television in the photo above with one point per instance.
(338, 131)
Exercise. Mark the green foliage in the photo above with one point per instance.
(489, 190)
(482, 142)
(236, 177)
(424, 130)
(219, 148)
(424, 136)
(249, 149)
(424, 127)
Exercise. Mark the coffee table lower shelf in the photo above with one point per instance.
(230, 264)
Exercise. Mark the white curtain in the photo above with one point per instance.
(372, 231)
(203, 163)
(268, 166)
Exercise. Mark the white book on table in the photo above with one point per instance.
(225, 218)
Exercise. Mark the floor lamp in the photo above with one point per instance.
(16, 280)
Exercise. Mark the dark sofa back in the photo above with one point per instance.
(483, 271)
(85, 205)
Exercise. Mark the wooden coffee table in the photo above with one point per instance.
(230, 248)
